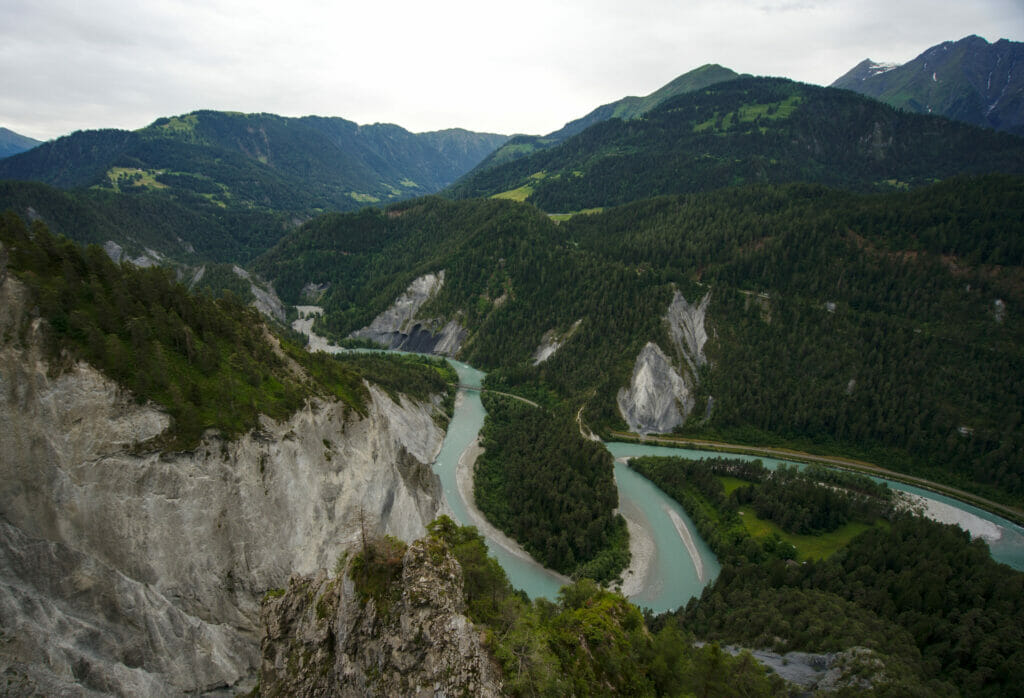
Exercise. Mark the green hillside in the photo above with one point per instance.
(635, 107)
(969, 80)
(209, 363)
(625, 108)
(746, 131)
(259, 160)
(182, 228)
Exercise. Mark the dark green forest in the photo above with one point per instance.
(549, 488)
(881, 326)
(185, 228)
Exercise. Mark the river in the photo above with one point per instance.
(676, 562)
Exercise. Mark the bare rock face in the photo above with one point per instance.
(399, 327)
(686, 327)
(321, 640)
(264, 297)
(552, 341)
(660, 394)
(657, 398)
(141, 573)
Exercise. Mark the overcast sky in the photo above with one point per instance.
(518, 67)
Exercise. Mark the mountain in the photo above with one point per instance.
(969, 80)
(634, 107)
(744, 131)
(625, 108)
(12, 143)
(258, 160)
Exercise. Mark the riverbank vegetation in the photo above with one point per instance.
(590, 641)
(926, 598)
(212, 363)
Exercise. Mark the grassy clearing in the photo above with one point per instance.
(126, 177)
(559, 217)
(364, 198)
(816, 547)
(749, 113)
(180, 124)
(731, 483)
(520, 194)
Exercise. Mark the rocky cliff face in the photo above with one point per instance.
(322, 640)
(686, 328)
(398, 327)
(140, 573)
(659, 396)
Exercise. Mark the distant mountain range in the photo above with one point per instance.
(12, 143)
(969, 80)
(745, 131)
(259, 160)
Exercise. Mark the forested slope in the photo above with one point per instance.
(884, 325)
(746, 131)
(259, 160)
(920, 597)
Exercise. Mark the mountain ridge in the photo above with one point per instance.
(970, 80)
(625, 108)
(745, 131)
(261, 160)
(12, 143)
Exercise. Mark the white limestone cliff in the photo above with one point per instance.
(140, 573)
(400, 327)
(660, 395)
(657, 398)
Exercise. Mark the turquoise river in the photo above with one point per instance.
(677, 562)
(676, 571)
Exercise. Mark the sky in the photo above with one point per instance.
(522, 67)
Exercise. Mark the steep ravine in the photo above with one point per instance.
(141, 573)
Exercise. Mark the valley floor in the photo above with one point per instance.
(1011, 513)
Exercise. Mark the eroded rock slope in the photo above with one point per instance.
(400, 327)
(140, 573)
(660, 394)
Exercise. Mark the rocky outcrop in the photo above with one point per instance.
(853, 670)
(686, 328)
(321, 639)
(264, 298)
(660, 395)
(551, 342)
(140, 573)
(398, 327)
(657, 398)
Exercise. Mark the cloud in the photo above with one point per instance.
(66, 64)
